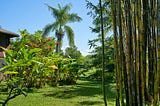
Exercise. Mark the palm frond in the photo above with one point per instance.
(54, 11)
(70, 35)
(59, 6)
(64, 14)
(66, 8)
(74, 18)
(48, 28)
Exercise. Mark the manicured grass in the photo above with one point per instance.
(84, 93)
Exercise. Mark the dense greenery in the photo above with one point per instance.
(32, 62)
(96, 54)
(96, 59)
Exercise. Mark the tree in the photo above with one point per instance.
(62, 18)
(72, 52)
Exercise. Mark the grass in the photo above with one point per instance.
(84, 93)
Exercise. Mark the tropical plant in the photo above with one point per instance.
(15, 87)
(23, 67)
(60, 27)
(33, 51)
(32, 62)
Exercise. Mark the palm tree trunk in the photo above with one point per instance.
(59, 35)
(58, 45)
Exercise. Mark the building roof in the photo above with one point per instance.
(9, 33)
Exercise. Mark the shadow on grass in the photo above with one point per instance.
(72, 92)
(90, 103)
(85, 88)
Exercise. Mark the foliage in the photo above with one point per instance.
(67, 71)
(95, 14)
(28, 55)
(87, 63)
(96, 58)
(15, 87)
(109, 57)
(72, 52)
(34, 59)
(96, 54)
(23, 65)
(77, 59)
(32, 62)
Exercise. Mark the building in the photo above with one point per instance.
(5, 39)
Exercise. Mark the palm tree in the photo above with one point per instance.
(62, 18)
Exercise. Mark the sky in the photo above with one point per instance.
(33, 15)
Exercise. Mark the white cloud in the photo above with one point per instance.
(85, 52)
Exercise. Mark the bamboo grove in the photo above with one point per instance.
(137, 51)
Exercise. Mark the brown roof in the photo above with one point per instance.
(9, 33)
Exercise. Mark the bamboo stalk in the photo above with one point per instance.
(103, 56)
(114, 12)
(122, 61)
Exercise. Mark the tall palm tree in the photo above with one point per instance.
(62, 18)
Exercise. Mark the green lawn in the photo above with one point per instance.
(84, 93)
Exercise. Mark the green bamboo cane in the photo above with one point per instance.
(103, 56)
(122, 61)
(113, 10)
